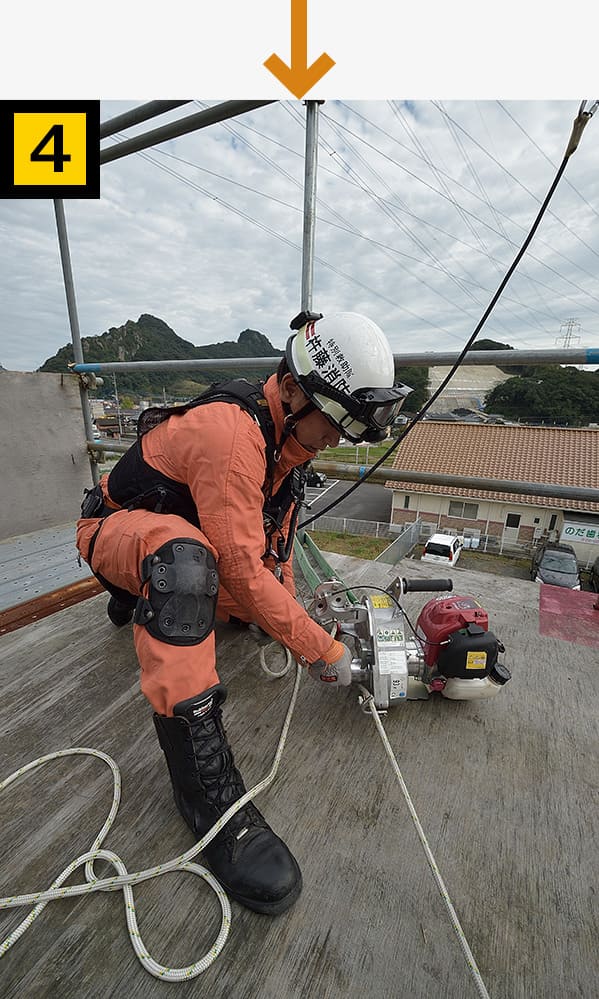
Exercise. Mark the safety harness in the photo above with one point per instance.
(135, 484)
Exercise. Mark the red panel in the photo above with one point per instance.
(569, 615)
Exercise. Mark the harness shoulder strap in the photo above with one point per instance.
(247, 395)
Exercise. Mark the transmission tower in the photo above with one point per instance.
(569, 333)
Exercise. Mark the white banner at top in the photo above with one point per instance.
(380, 50)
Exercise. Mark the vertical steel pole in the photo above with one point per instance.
(311, 165)
(69, 287)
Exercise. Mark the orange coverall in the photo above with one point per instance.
(218, 451)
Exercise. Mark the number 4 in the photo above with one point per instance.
(58, 157)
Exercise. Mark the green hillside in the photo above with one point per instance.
(548, 394)
(150, 339)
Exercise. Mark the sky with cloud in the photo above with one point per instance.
(421, 208)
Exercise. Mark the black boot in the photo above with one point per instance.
(119, 613)
(253, 865)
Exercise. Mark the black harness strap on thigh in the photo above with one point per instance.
(181, 599)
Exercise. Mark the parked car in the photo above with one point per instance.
(594, 575)
(555, 564)
(316, 479)
(442, 548)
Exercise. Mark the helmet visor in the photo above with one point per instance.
(374, 408)
(379, 407)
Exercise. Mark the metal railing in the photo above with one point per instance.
(387, 474)
(402, 545)
(503, 358)
(350, 525)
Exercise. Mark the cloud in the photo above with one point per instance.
(422, 207)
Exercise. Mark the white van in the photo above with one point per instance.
(442, 548)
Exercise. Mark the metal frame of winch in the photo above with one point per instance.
(450, 650)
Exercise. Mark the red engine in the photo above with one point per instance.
(456, 640)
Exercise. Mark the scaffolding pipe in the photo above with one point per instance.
(385, 474)
(310, 177)
(220, 112)
(501, 358)
(194, 364)
(496, 357)
(136, 115)
(69, 287)
(339, 470)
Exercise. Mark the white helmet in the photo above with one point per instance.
(344, 364)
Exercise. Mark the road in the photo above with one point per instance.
(367, 502)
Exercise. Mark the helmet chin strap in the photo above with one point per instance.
(290, 423)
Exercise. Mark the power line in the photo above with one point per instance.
(434, 290)
(517, 181)
(420, 180)
(292, 245)
(532, 256)
(352, 228)
(346, 227)
(544, 155)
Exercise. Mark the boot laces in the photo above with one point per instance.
(220, 778)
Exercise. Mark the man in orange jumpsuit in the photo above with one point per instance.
(183, 529)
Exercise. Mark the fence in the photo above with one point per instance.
(402, 545)
(405, 536)
(476, 540)
(347, 525)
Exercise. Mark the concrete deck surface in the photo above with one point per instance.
(507, 791)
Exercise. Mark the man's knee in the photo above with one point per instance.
(181, 587)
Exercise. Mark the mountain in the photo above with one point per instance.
(150, 339)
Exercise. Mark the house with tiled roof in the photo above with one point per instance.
(551, 455)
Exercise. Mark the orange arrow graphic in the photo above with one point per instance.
(299, 77)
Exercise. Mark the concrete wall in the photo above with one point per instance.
(43, 456)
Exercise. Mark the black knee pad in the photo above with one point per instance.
(182, 589)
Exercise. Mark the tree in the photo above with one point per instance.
(417, 379)
(548, 393)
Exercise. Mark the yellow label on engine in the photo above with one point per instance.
(476, 660)
(380, 600)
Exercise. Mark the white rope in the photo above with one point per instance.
(368, 703)
(267, 670)
(259, 637)
(125, 880)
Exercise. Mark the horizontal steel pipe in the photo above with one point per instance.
(199, 364)
(220, 112)
(136, 115)
(107, 446)
(385, 474)
(501, 357)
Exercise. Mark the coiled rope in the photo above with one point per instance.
(269, 672)
(260, 637)
(125, 880)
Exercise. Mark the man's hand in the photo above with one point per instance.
(334, 669)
